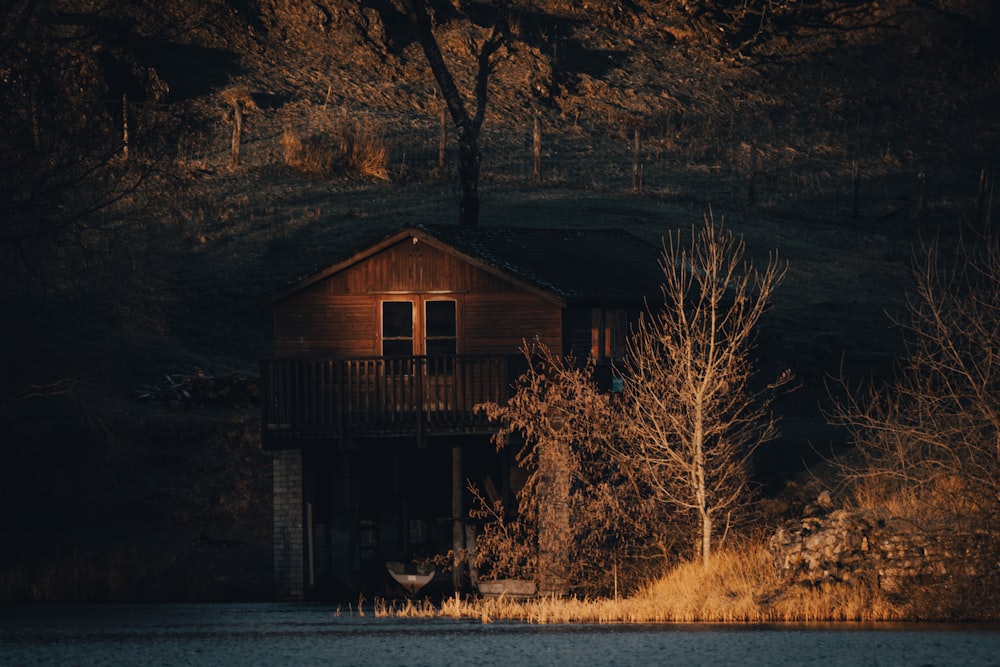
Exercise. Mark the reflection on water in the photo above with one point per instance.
(277, 634)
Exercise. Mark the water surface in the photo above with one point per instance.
(285, 634)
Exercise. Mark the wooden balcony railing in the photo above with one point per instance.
(337, 398)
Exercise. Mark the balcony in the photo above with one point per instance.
(382, 396)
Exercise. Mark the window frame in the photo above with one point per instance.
(383, 338)
(428, 338)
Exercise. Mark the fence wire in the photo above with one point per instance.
(717, 168)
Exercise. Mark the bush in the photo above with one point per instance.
(353, 145)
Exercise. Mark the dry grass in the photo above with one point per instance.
(310, 155)
(740, 587)
(352, 144)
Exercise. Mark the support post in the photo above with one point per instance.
(458, 518)
(310, 554)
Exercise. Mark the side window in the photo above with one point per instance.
(440, 328)
(397, 328)
(607, 333)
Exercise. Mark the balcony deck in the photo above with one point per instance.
(382, 396)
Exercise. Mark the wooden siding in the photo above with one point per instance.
(339, 316)
(501, 323)
(316, 323)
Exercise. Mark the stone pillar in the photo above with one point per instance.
(289, 548)
(554, 532)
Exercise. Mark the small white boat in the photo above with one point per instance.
(411, 580)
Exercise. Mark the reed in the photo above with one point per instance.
(740, 586)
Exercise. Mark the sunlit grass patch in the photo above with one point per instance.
(740, 586)
(351, 144)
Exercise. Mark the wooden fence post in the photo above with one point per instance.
(125, 125)
(855, 190)
(536, 149)
(636, 175)
(36, 129)
(984, 211)
(921, 195)
(234, 155)
(442, 138)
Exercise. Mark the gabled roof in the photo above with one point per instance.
(604, 265)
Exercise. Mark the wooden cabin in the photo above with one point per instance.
(379, 362)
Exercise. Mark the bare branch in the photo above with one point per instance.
(694, 420)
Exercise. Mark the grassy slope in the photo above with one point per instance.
(105, 474)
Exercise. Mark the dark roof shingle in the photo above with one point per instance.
(575, 264)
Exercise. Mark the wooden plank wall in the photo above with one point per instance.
(338, 316)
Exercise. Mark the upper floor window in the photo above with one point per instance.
(607, 333)
(440, 327)
(419, 327)
(397, 328)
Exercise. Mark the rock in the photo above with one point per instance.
(842, 546)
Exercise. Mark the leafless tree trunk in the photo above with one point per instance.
(468, 125)
(693, 420)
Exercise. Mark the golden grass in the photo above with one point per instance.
(357, 145)
(307, 155)
(740, 587)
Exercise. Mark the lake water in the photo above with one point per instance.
(285, 634)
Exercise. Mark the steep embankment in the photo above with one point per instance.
(806, 127)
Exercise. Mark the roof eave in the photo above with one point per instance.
(423, 236)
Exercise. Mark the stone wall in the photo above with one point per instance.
(842, 546)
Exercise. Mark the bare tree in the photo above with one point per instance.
(468, 124)
(588, 522)
(928, 443)
(692, 417)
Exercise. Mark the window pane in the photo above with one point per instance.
(440, 319)
(397, 348)
(441, 346)
(397, 319)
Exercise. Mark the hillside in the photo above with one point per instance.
(838, 133)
